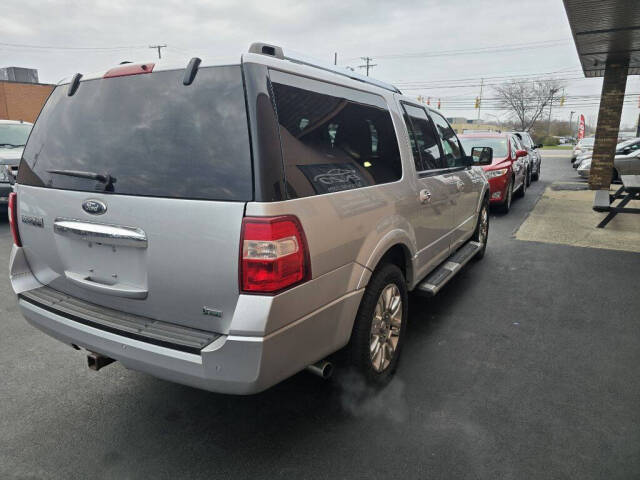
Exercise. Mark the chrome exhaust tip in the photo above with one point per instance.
(323, 369)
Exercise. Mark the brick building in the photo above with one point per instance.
(21, 96)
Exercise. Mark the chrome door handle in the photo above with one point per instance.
(425, 196)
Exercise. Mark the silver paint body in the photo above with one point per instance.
(189, 259)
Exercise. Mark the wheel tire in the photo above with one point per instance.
(506, 205)
(536, 176)
(614, 176)
(482, 229)
(366, 326)
(522, 189)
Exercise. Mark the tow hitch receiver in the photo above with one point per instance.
(97, 361)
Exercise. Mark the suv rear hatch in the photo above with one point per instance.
(141, 183)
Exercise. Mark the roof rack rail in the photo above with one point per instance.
(277, 52)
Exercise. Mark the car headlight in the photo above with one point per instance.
(496, 173)
(4, 173)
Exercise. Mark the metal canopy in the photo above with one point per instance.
(605, 29)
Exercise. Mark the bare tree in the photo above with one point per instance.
(527, 101)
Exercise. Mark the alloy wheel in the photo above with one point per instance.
(385, 328)
(483, 229)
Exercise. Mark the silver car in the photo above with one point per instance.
(228, 226)
(623, 164)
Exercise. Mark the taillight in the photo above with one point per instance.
(13, 218)
(274, 254)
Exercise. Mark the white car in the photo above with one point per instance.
(583, 146)
(13, 137)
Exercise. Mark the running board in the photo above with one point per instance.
(445, 272)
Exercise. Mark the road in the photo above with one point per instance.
(524, 366)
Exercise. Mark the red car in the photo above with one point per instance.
(508, 173)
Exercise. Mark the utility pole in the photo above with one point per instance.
(335, 58)
(367, 64)
(158, 47)
(571, 124)
(480, 98)
(553, 92)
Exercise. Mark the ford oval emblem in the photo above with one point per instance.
(94, 207)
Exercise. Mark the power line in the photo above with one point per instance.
(490, 49)
(64, 47)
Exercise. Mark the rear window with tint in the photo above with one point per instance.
(152, 134)
(331, 143)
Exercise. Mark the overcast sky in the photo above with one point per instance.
(422, 46)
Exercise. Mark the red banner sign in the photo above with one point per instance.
(581, 128)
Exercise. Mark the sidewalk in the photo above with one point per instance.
(564, 215)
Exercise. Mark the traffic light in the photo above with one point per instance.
(562, 101)
(477, 102)
(438, 104)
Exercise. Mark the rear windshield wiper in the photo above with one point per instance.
(107, 179)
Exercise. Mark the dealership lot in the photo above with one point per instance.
(540, 382)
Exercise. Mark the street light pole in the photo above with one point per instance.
(571, 124)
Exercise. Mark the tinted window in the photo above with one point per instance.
(453, 154)
(330, 143)
(154, 135)
(526, 140)
(424, 143)
(514, 147)
(499, 145)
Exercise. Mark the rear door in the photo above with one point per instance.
(468, 182)
(436, 195)
(140, 184)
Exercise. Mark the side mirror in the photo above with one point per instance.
(482, 155)
(626, 150)
(539, 145)
(521, 153)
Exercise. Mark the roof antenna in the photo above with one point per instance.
(191, 70)
(75, 83)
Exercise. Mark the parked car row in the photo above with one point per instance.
(516, 162)
(626, 161)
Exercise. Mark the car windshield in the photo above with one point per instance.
(499, 145)
(14, 135)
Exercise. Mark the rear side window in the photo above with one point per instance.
(424, 143)
(332, 143)
(150, 133)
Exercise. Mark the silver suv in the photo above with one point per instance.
(228, 226)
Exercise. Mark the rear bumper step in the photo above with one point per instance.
(437, 279)
(165, 334)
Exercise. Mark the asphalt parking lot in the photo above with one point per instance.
(525, 366)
